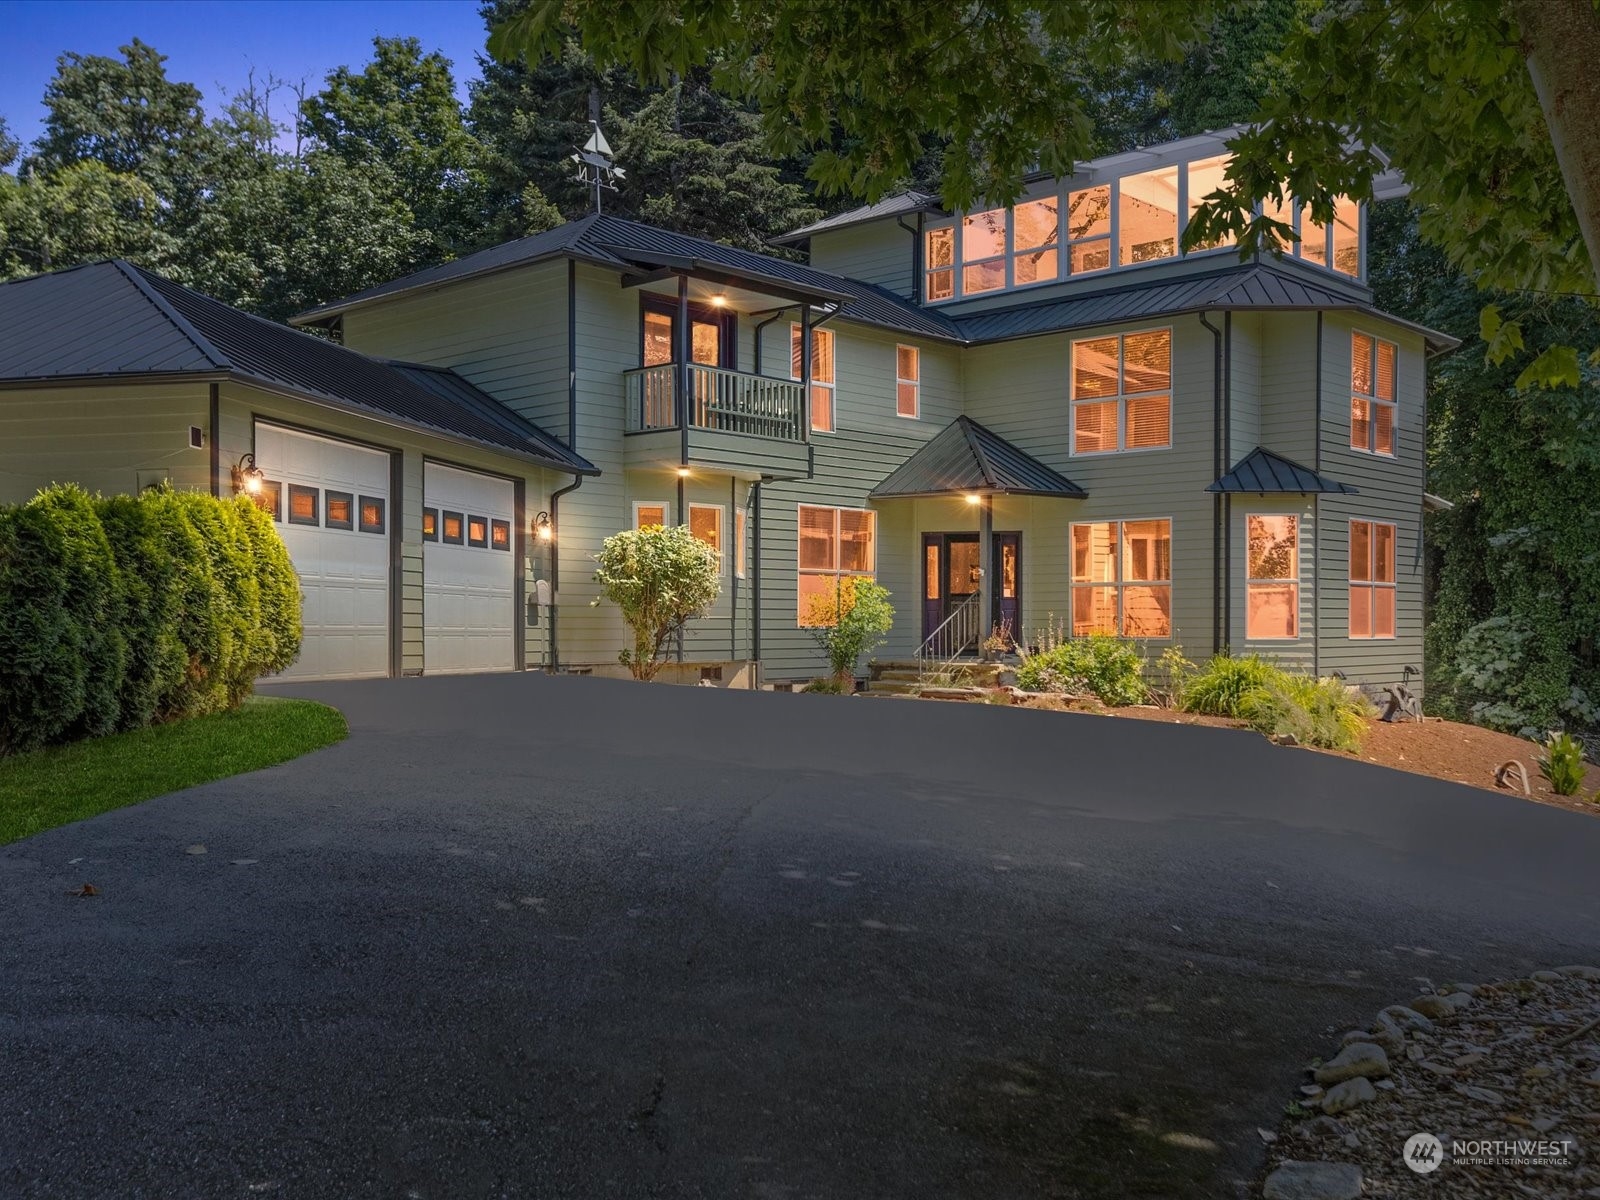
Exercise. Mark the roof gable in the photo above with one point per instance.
(966, 457)
(1262, 472)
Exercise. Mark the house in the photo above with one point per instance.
(1010, 418)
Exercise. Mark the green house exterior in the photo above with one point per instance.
(1159, 413)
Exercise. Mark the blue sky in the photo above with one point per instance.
(214, 43)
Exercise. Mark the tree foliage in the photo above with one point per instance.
(661, 577)
(851, 623)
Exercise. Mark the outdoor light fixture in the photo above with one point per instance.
(718, 301)
(542, 529)
(973, 498)
(247, 476)
(683, 472)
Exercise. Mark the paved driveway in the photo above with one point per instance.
(546, 937)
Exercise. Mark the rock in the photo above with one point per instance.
(1386, 1085)
(1284, 739)
(1470, 1060)
(1587, 974)
(1313, 1181)
(1387, 1033)
(1481, 1094)
(1321, 1127)
(1351, 1093)
(1461, 989)
(197, 848)
(1408, 1019)
(1439, 1008)
(1547, 977)
(1427, 1064)
(1358, 1058)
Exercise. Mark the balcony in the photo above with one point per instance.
(735, 421)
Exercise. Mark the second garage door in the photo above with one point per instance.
(468, 571)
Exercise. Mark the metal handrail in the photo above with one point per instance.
(719, 399)
(955, 633)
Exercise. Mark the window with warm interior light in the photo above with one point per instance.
(1147, 216)
(1035, 236)
(907, 381)
(478, 531)
(372, 513)
(454, 525)
(1122, 392)
(1272, 584)
(500, 534)
(939, 251)
(649, 512)
(1089, 229)
(983, 251)
(270, 498)
(1372, 589)
(822, 374)
(1206, 176)
(705, 522)
(1372, 400)
(836, 547)
(303, 505)
(739, 540)
(1122, 578)
(430, 524)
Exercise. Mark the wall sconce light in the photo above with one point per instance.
(973, 498)
(542, 529)
(683, 472)
(247, 476)
(718, 300)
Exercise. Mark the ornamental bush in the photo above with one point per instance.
(1220, 688)
(118, 612)
(660, 577)
(1315, 712)
(861, 616)
(1108, 668)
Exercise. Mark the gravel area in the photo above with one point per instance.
(1506, 1077)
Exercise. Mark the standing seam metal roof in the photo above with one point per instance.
(964, 456)
(1261, 471)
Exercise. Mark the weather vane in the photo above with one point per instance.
(596, 166)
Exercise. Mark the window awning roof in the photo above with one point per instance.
(1261, 471)
(966, 457)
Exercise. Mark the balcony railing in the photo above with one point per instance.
(720, 400)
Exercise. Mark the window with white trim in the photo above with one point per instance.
(1035, 236)
(1122, 392)
(705, 522)
(983, 251)
(940, 263)
(1372, 587)
(1272, 576)
(650, 512)
(907, 381)
(836, 547)
(822, 374)
(1372, 401)
(1122, 578)
(1089, 229)
(1207, 175)
(1147, 217)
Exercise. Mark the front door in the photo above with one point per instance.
(950, 575)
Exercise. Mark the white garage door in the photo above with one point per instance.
(331, 501)
(468, 571)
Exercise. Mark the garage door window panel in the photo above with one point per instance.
(270, 499)
(500, 535)
(372, 514)
(430, 524)
(478, 532)
(303, 505)
(341, 510)
(455, 525)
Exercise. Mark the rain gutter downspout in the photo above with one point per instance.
(572, 444)
(1216, 501)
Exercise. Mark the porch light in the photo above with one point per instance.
(974, 498)
(718, 300)
(247, 476)
(542, 528)
(683, 472)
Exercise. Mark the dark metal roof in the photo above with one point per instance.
(966, 457)
(158, 327)
(890, 206)
(631, 245)
(1261, 471)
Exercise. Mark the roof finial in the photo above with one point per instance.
(596, 166)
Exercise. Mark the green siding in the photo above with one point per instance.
(111, 437)
(879, 252)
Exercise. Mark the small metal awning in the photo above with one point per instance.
(1261, 471)
(966, 457)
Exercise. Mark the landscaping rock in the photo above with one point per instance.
(1408, 1019)
(1437, 1008)
(1587, 974)
(1387, 1033)
(1358, 1058)
(1321, 1127)
(1313, 1181)
(1546, 977)
(1352, 1093)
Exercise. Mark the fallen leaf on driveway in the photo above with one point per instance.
(197, 848)
(72, 862)
(243, 862)
(87, 889)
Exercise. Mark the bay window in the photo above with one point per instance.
(1372, 584)
(1122, 578)
(822, 374)
(1272, 576)
(1372, 399)
(1122, 392)
(836, 547)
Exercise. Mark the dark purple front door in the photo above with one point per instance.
(950, 575)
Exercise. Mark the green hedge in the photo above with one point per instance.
(119, 612)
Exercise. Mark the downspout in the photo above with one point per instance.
(215, 449)
(1216, 500)
(572, 444)
(916, 256)
(1316, 517)
(683, 377)
(1227, 499)
(755, 333)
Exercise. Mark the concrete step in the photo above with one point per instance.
(893, 687)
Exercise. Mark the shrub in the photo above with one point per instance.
(829, 687)
(199, 608)
(238, 594)
(660, 577)
(43, 670)
(1175, 672)
(1110, 669)
(1315, 712)
(863, 616)
(95, 605)
(157, 660)
(1562, 764)
(276, 643)
(1221, 685)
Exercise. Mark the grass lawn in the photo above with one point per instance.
(46, 788)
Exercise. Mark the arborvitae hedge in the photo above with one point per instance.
(118, 612)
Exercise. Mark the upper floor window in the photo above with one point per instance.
(1089, 229)
(1206, 176)
(1122, 392)
(1035, 231)
(1272, 581)
(983, 251)
(907, 381)
(1147, 214)
(1371, 579)
(940, 283)
(1372, 402)
(822, 374)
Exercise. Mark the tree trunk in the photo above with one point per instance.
(1561, 43)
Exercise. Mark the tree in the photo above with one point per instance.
(9, 146)
(400, 111)
(856, 86)
(660, 577)
(78, 214)
(860, 616)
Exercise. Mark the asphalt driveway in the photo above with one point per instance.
(546, 937)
